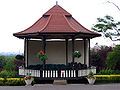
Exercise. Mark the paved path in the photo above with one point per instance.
(64, 87)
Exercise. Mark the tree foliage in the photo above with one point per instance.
(98, 57)
(7, 66)
(108, 26)
(113, 58)
(2, 61)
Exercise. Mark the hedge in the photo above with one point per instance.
(107, 78)
(21, 82)
(12, 82)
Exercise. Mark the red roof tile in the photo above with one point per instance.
(57, 10)
(56, 20)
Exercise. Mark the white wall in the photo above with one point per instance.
(79, 46)
(55, 50)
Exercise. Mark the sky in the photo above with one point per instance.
(17, 15)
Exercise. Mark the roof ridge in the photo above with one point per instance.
(69, 23)
(56, 6)
(46, 23)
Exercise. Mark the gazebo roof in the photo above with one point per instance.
(56, 23)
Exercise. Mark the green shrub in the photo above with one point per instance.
(113, 58)
(2, 61)
(11, 82)
(6, 74)
(14, 83)
(9, 66)
(108, 72)
(2, 57)
(107, 78)
(98, 56)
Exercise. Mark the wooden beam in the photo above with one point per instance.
(44, 49)
(44, 44)
(66, 40)
(84, 40)
(73, 60)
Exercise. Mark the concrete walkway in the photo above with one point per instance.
(64, 87)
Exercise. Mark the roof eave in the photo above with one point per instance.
(79, 34)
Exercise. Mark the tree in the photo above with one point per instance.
(113, 58)
(108, 26)
(98, 56)
(2, 62)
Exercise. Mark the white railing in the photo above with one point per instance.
(85, 72)
(49, 73)
(56, 73)
(34, 73)
(68, 73)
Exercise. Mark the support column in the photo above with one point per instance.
(73, 60)
(44, 49)
(84, 40)
(89, 52)
(26, 52)
(66, 40)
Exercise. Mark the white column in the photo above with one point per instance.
(26, 52)
(87, 51)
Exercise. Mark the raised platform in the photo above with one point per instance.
(60, 82)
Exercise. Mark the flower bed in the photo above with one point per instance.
(107, 78)
(12, 82)
(99, 80)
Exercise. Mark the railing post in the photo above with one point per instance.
(41, 73)
(73, 40)
(59, 73)
(76, 72)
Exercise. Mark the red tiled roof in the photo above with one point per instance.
(56, 20)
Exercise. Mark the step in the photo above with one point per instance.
(60, 82)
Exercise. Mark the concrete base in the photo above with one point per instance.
(60, 82)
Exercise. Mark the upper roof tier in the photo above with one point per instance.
(56, 22)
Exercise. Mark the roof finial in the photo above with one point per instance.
(56, 2)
